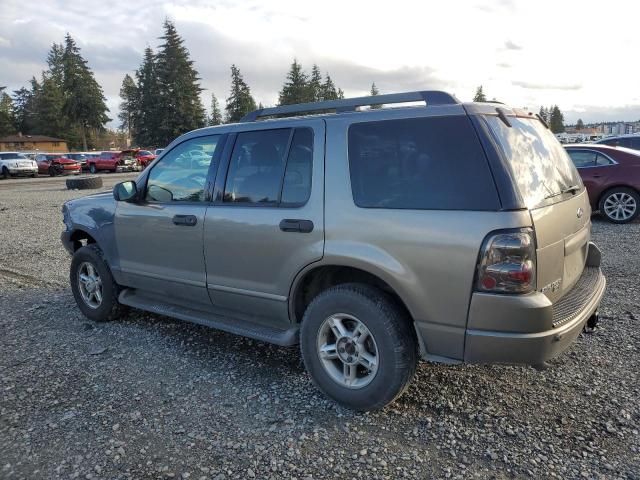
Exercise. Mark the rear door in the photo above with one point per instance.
(160, 237)
(267, 221)
(551, 188)
(594, 170)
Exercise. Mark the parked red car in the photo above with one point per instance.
(612, 178)
(114, 161)
(57, 164)
(144, 158)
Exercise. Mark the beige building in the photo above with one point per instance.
(41, 143)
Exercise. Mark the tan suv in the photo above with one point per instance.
(449, 232)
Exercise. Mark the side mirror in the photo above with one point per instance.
(125, 191)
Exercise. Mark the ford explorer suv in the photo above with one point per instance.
(372, 238)
(13, 164)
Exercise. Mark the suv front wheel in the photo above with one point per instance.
(358, 346)
(93, 286)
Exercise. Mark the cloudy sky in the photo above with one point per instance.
(582, 55)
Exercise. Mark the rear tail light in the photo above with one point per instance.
(507, 263)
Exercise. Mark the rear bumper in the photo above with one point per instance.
(560, 323)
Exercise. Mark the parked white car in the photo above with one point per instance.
(13, 164)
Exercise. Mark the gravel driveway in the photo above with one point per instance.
(149, 397)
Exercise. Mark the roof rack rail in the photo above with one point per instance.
(430, 97)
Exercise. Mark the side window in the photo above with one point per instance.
(634, 143)
(601, 160)
(582, 159)
(181, 175)
(420, 163)
(296, 187)
(256, 167)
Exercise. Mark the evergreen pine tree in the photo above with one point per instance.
(340, 94)
(579, 124)
(84, 102)
(180, 107)
(296, 88)
(544, 114)
(23, 115)
(479, 96)
(240, 101)
(373, 93)
(315, 85)
(48, 109)
(147, 114)
(128, 106)
(55, 61)
(329, 91)
(556, 120)
(216, 114)
(6, 114)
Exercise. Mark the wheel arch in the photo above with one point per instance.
(80, 238)
(613, 187)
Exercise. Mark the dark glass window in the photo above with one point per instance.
(582, 158)
(256, 167)
(420, 163)
(634, 143)
(296, 187)
(181, 175)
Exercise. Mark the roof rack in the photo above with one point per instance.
(430, 97)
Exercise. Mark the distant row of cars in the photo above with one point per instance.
(13, 164)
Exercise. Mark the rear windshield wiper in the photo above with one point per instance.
(571, 189)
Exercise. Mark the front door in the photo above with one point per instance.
(266, 223)
(160, 238)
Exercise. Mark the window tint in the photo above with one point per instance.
(181, 176)
(256, 167)
(297, 178)
(634, 143)
(420, 163)
(583, 158)
(601, 160)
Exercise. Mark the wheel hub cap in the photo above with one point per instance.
(90, 285)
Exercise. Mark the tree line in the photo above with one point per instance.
(66, 101)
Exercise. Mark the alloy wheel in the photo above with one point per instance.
(90, 285)
(347, 351)
(620, 206)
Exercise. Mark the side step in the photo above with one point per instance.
(152, 304)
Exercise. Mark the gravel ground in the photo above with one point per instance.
(149, 397)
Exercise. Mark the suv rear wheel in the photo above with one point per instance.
(93, 286)
(358, 346)
(620, 205)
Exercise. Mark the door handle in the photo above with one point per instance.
(185, 220)
(296, 225)
(596, 176)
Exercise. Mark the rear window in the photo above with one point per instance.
(539, 165)
(420, 163)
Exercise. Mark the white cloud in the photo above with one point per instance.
(523, 53)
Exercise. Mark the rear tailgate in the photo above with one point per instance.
(551, 188)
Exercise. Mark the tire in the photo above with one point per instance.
(108, 308)
(627, 198)
(390, 333)
(92, 168)
(52, 172)
(84, 183)
(5, 173)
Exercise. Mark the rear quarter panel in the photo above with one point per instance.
(428, 257)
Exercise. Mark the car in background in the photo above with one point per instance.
(114, 161)
(627, 141)
(612, 178)
(144, 158)
(158, 151)
(57, 164)
(79, 157)
(16, 164)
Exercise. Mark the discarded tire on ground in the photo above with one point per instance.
(84, 183)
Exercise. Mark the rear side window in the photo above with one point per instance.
(420, 163)
(582, 159)
(270, 167)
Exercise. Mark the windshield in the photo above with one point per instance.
(540, 166)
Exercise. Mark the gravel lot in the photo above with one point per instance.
(150, 397)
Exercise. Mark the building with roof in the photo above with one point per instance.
(41, 143)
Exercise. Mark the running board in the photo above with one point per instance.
(263, 333)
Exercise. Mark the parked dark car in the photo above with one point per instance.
(612, 178)
(628, 141)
